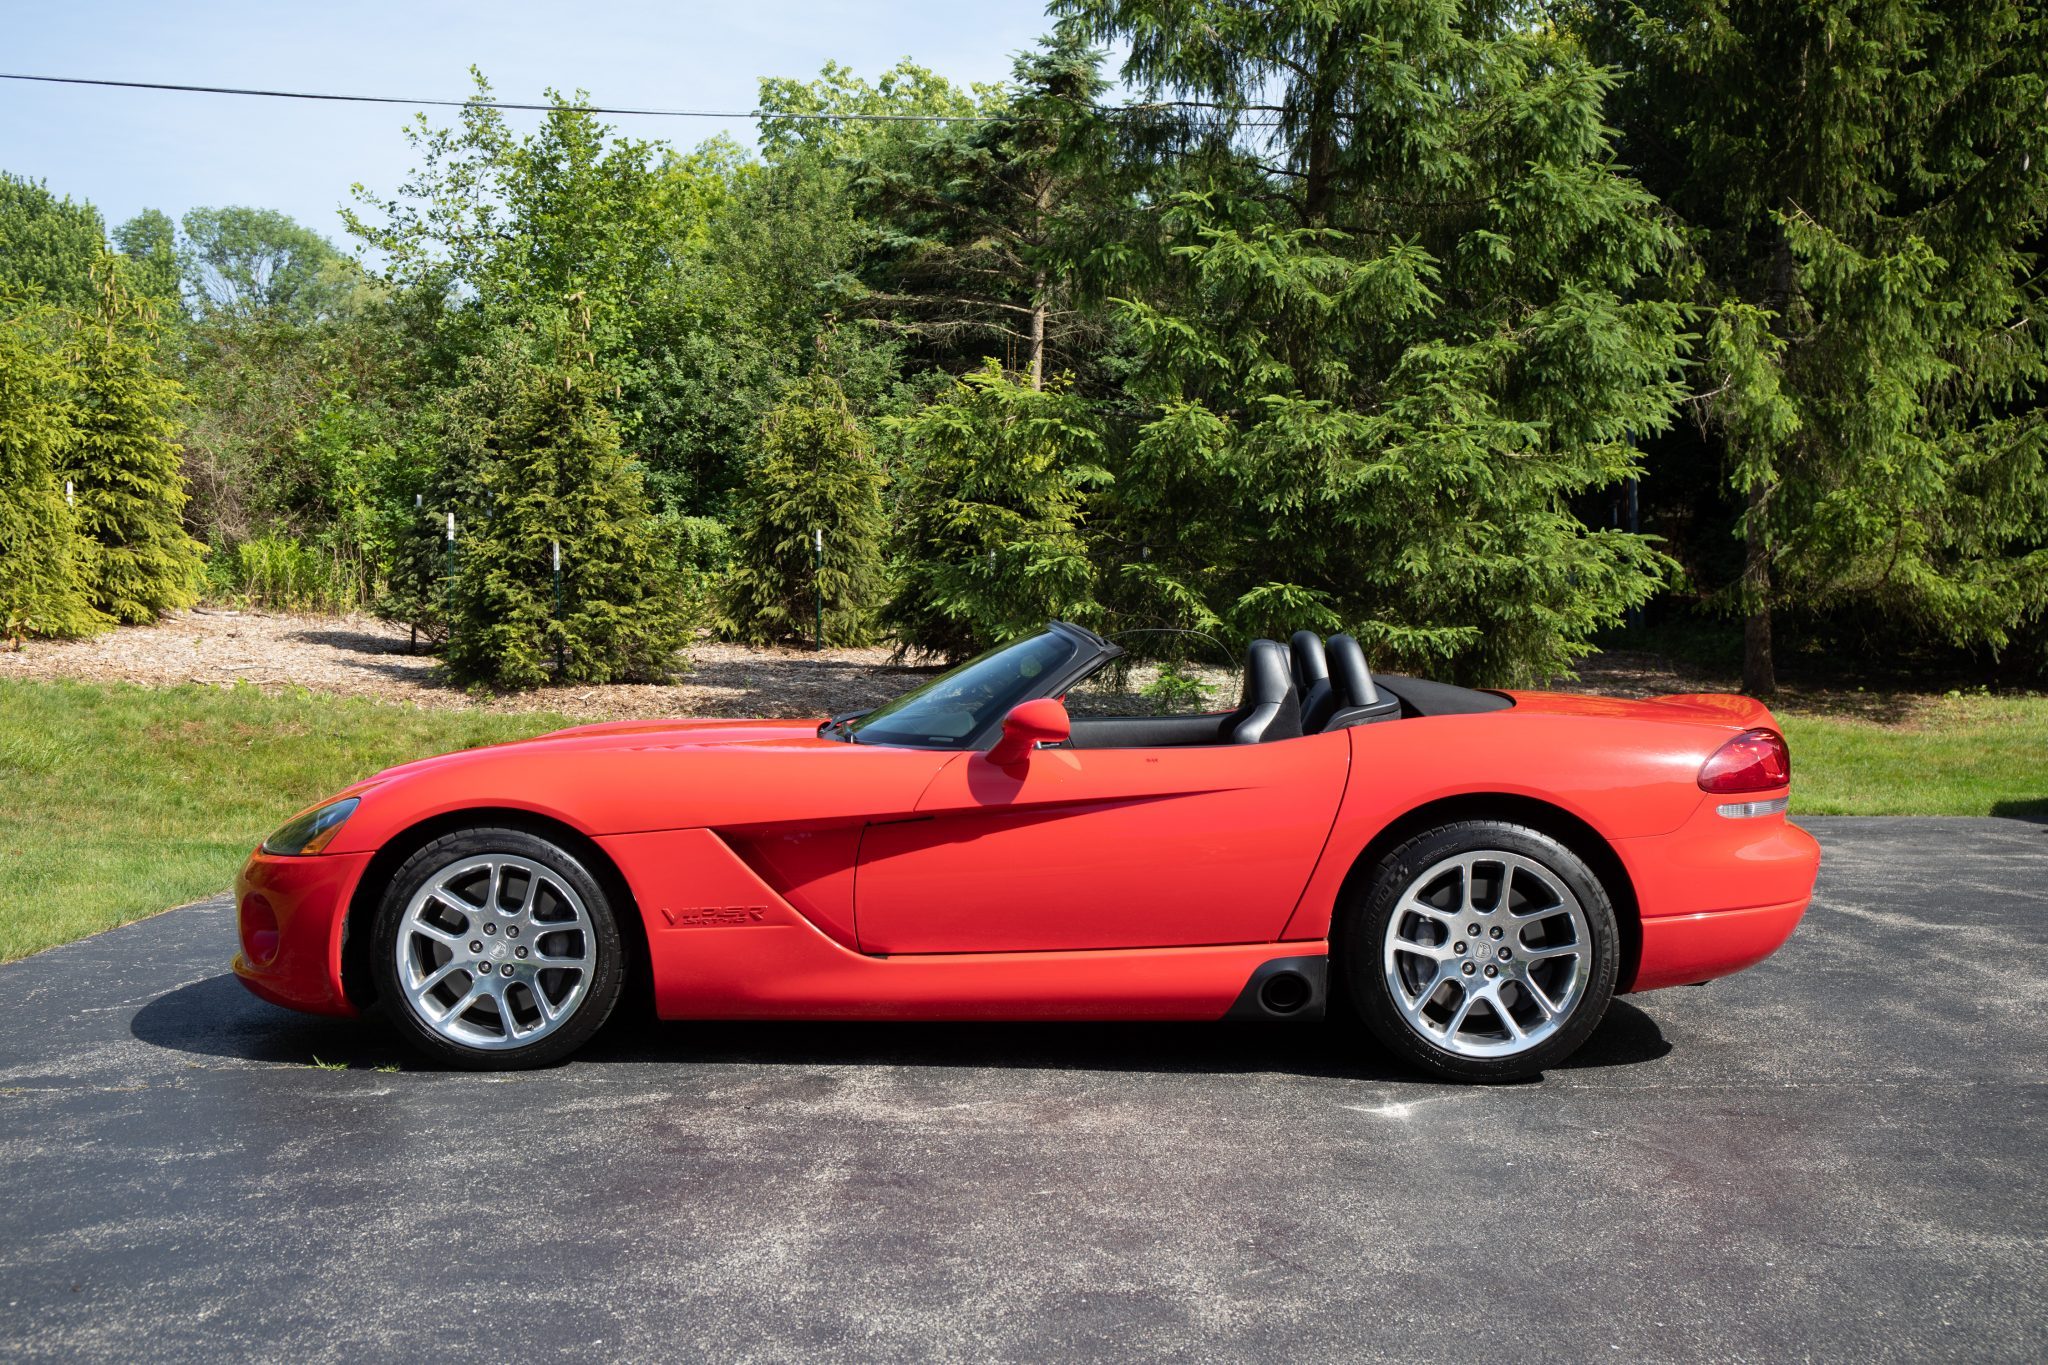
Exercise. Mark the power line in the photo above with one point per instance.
(756, 115)
(510, 104)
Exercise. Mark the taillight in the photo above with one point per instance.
(1753, 761)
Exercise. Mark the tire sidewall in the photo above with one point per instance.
(607, 978)
(1365, 921)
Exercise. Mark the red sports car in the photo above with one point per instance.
(1475, 873)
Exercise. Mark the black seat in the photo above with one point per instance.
(1312, 675)
(1271, 708)
(1358, 700)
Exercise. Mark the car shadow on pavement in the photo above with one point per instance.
(216, 1017)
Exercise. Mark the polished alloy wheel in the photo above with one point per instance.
(1487, 954)
(495, 952)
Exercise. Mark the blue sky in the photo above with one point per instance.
(129, 150)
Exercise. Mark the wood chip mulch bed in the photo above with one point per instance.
(360, 656)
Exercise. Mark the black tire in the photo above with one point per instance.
(1365, 919)
(591, 1001)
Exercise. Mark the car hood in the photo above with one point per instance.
(630, 734)
(633, 732)
(652, 775)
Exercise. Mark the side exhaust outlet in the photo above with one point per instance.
(1286, 988)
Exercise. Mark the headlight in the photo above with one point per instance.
(313, 831)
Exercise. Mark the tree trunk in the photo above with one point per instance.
(1759, 668)
(1320, 132)
(1038, 332)
(1319, 184)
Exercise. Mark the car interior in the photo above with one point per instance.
(1307, 686)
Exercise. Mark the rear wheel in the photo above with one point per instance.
(495, 948)
(1482, 950)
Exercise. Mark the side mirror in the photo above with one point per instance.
(1026, 727)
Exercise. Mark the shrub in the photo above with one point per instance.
(990, 543)
(818, 474)
(704, 545)
(541, 452)
(42, 587)
(125, 462)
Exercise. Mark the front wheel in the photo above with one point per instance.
(495, 948)
(1482, 951)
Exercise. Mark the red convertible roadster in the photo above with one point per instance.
(1475, 874)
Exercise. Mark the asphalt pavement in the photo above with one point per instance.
(1836, 1155)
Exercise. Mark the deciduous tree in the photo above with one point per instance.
(251, 262)
(47, 243)
(148, 244)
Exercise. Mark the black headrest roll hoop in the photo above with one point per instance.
(1310, 665)
(1272, 707)
(1353, 680)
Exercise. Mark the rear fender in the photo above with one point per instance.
(1744, 713)
(1620, 777)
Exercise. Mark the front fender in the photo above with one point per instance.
(636, 788)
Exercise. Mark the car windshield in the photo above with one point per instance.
(948, 711)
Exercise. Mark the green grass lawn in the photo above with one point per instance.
(119, 801)
(1959, 755)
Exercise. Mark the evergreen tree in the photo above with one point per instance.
(461, 436)
(1864, 187)
(990, 544)
(818, 474)
(413, 549)
(125, 461)
(538, 453)
(414, 569)
(1399, 329)
(985, 236)
(42, 591)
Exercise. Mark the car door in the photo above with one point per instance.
(1102, 848)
